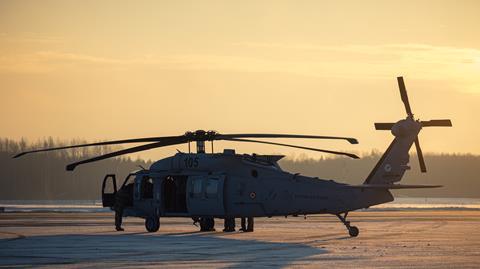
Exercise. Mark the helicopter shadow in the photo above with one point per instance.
(144, 250)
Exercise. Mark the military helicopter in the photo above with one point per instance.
(204, 186)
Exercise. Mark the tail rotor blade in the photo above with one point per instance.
(423, 168)
(403, 94)
(440, 123)
(383, 125)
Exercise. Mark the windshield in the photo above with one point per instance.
(128, 180)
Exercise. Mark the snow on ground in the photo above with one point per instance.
(439, 239)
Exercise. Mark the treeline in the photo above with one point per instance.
(458, 173)
(43, 176)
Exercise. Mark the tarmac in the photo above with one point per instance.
(388, 239)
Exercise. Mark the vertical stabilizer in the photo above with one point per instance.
(394, 162)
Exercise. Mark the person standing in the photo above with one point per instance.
(123, 198)
(246, 227)
(229, 224)
(250, 224)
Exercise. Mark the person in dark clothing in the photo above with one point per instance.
(123, 198)
(118, 219)
(250, 224)
(229, 224)
(245, 227)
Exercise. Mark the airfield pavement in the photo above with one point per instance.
(392, 239)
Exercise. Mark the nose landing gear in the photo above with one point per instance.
(352, 230)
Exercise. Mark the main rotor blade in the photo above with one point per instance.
(293, 146)
(351, 140)
(168, 142)
(423, 168)
(114, 142)
(447, 123)
(384, 125)
(403, 94)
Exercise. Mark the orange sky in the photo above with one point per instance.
(120, 69)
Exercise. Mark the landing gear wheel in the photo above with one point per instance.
(207, 224)
(353, 231)
(152, 224)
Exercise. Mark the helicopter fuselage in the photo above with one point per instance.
(231, 185)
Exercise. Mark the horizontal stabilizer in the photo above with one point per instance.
(394, 186)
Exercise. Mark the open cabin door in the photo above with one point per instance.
(174, 195)
(205, 195)
(109, 189)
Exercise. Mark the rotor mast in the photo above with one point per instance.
(200, 146)
(200, 136)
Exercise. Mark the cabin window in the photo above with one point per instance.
(211, 189)
(197, 186)
(147, 188)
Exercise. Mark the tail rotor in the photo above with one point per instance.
(398, 129)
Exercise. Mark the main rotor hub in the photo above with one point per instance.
(201, 135)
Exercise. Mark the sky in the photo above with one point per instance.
(100, 70)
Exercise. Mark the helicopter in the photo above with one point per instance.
(204, 186)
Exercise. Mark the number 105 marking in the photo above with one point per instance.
(191, 162)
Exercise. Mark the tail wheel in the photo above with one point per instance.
(353, 231)
(152, 224)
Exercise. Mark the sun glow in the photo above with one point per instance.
(108, 71)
